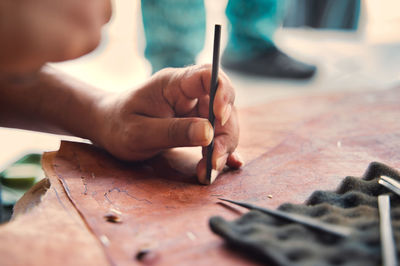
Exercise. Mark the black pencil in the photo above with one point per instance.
(213, 90)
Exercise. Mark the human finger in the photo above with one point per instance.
(194, 82)
(224, 99)
(202, 173)
(163, 133)
(235, 161)
(225, 142)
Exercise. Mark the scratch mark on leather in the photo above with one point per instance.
(126, 192)
(74, 219)
(59, 201)
(66, 186)
(79, 168)
(84, 184)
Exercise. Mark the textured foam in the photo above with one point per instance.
(353, 204)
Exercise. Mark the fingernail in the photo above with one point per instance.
(221, 162)
(226, 114)
(200, 133)
(214, 174)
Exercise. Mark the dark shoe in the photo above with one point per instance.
(271, 63)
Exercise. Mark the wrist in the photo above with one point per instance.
(72, 107)
(97, 118)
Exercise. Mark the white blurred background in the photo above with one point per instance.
(368, 58)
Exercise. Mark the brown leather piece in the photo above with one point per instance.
(292, 147)
(47, 230)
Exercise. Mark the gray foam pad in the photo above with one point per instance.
(277, 242)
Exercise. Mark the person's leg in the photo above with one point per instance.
(252, 25)
(174, 31)
(251, 48)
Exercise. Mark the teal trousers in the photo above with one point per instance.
(175, 29)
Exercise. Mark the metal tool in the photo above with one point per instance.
(388, 245)
(390, 183)
(213, 90)
(338, 230)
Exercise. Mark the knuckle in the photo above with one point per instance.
(219, 148)
(202, 69)
(132, 138)
(173, 131)
(165, 71)
(205, 66)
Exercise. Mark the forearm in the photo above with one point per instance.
(50, 101)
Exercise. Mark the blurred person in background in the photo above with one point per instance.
(323, 14)
(175, 34)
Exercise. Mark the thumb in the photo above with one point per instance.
(178, 132)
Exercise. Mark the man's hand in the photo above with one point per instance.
(35, 32)
(171, 110)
